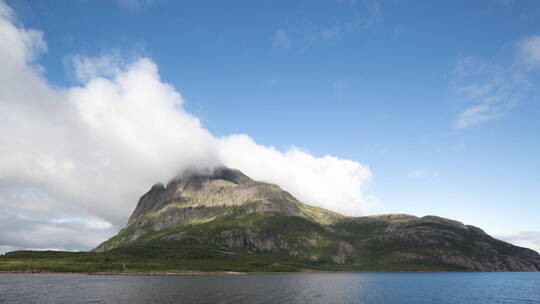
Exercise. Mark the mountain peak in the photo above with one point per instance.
(226, 210)
(220, 186)
(218, 173)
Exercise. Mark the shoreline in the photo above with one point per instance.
(131, 273)
(198, 272)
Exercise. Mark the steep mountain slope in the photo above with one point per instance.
(227, 210)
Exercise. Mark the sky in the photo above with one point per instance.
(361, 107)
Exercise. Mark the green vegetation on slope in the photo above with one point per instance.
(314, 244)
(169, 256)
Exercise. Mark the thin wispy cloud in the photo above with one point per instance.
(528, 53)
(356, 15)
(491, 89)
(478, 114)
(339, 85)
(421, 173)
(135, 6)
(281, 40)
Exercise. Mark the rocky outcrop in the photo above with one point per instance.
(402, 239)
(224, 208)
(221, 187)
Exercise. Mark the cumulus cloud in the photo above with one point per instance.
(74, 160)
(528, 239)
(327, 181)
(86, 68)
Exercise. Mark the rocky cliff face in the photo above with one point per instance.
(227, 209)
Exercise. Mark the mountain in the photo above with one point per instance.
(224, 214)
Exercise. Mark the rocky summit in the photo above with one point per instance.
(225, 211)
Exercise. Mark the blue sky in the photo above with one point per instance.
(438, 99)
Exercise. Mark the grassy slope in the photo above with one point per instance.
(150, 253)
(174, 257)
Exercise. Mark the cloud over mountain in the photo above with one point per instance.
(74, 160)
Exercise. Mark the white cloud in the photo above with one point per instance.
(326, 181)
(19, 231)
(100, 144)
(75, 160)
(87, 68)
(528, 239)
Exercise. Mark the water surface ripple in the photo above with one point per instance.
(455, 288)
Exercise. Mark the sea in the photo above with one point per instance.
(455, 288)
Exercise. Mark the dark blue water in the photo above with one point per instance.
(274, 288)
